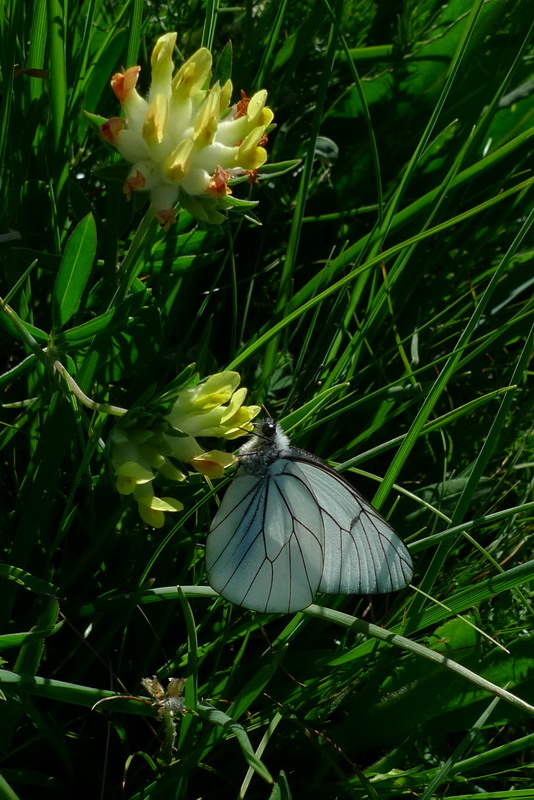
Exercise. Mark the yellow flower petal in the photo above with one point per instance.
(236, 401)
(207, 121)
(217, 389)
(172, 504)
(151, 508)
(241, 422)
(125, 485)
(192, 75)
(213, 463)
(156, 519)
(155, 124)
(134, 470)
(226, 96)
(266, 117)
(172, 473)
(162, 64)
(160, 503)
(177, 165)
(254, 109)
(249, 155)
(255, 106)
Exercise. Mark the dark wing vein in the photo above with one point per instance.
(264, 550)
(362, 553)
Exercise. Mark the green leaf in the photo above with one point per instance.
(235, 202)
(223, 70)
(95, 119)
(74, 271)
(64, 692)
(110, 321)
(38, 334)
(10, 640)
(281, 790)
(217, 717)
(30, 582)
(270, 170)
(6, 792)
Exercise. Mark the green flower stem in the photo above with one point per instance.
(56, 369)
(133, 263)
(104, 408)
(166, 593)
(383, 635)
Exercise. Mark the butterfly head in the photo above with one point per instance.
(264, 446)
(266, 429)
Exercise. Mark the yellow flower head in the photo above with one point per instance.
(184, 140)
(138, 454)
(143, 448)
(213, 408)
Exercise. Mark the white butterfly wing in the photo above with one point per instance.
(265, 546)
(362, 553)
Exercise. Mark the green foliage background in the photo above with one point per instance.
(382, 311)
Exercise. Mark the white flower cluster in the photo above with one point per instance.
(185, 141)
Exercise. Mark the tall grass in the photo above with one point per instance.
(382, 311)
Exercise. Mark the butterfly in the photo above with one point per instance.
(289, 526)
